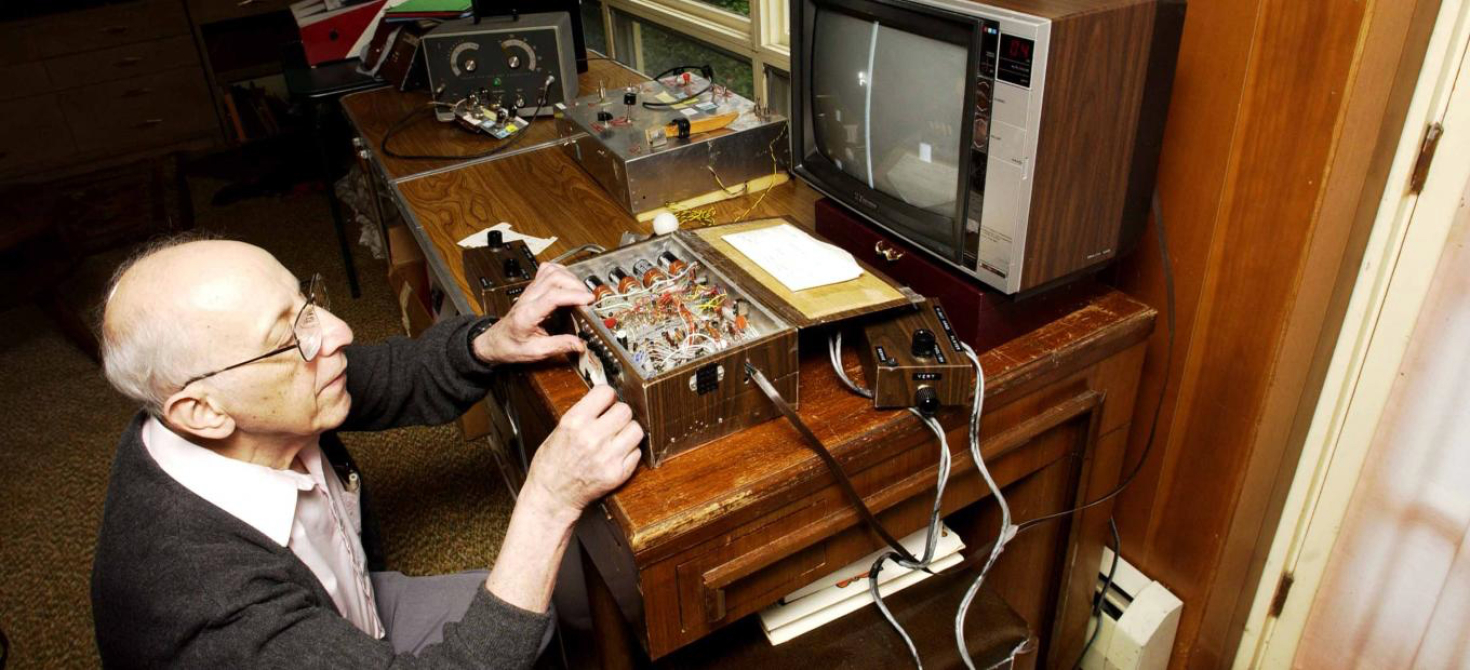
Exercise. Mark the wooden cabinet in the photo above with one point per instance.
(100, 85)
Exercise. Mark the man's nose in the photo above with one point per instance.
(335, 333)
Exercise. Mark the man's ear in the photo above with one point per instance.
(198, 415)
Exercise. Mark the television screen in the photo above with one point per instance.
(889, 110)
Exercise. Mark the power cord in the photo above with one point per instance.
(1148, 445)
(1097, 605)
(512, 141)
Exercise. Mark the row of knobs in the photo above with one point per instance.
(513, 62)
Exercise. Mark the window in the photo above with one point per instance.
(655, 50)
(778, 90)
(593, 29)
(747, 42)
(741, 7)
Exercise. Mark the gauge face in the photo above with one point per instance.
(519, 54)
(463, 57)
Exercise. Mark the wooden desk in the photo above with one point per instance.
(372, 113)
(721, 531)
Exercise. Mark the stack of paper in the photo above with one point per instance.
(846, 590)
(796, 259)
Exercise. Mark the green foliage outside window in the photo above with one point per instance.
(663, 49)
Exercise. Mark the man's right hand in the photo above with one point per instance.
(593, 450)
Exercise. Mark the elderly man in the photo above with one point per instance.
(235, 534)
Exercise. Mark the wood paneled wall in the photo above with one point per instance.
(1273, 161)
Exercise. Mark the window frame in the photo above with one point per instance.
(761, 37)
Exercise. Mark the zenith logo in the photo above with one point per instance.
(864, 201)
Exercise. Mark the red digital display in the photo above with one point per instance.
(1015, 60)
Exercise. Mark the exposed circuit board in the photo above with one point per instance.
(666, 312)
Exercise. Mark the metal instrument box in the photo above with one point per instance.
(616, 151)
(502, 61)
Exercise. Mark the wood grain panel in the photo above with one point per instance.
(546, 194)
(1258, 230)
(372, 113)
(1094, 88)
(683, 495)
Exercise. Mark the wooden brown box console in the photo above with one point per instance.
(896, 375)
(498, 273)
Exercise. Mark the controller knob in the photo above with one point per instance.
(494, 239)
(926, 400)
(923, 344)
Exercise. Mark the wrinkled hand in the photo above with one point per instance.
(593, 450)
(519, 337)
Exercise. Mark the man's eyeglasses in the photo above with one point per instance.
(306, 330)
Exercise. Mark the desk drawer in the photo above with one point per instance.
(108, 27)
(142, 111)
(24, 79)
(34, 132)
(126, 61)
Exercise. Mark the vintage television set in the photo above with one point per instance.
(1014, 140)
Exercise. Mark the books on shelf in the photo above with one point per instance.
(846, 590)
(253, 112)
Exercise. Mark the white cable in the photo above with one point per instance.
(1007, 529)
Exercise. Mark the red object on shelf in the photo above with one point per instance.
(331, 35)
(982, 317)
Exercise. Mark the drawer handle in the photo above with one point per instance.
(888, 253)
(115, 30)
(245, 3)
(135, 92)
(128, 61)
(149, 123)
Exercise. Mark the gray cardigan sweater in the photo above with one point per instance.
(178, 582)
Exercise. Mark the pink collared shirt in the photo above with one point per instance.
(310, 513)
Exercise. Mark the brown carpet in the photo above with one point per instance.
(442, 501)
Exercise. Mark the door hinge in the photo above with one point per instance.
(1426, 156)
(1278, 601)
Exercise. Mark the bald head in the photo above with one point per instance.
(179, 308)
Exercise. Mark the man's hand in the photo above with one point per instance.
(519, 337)
(593, 450)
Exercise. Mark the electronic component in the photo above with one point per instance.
(503, 62)
(499, 271)
(648, 152)
(672, 334)
(912, 358)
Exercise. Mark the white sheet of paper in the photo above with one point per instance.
(855, 602)
(794, 258)
(536, 244)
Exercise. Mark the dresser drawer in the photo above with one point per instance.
(93, 29)
(19, 81)
(126, 61)
(152, 110)
(34, 133)
(209, 11)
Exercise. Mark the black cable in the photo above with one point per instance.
(1163, 385)
(814, 443)
(708, 72)
(1097, 606)
(514, 139)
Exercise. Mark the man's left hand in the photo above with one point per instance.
(520, 337)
